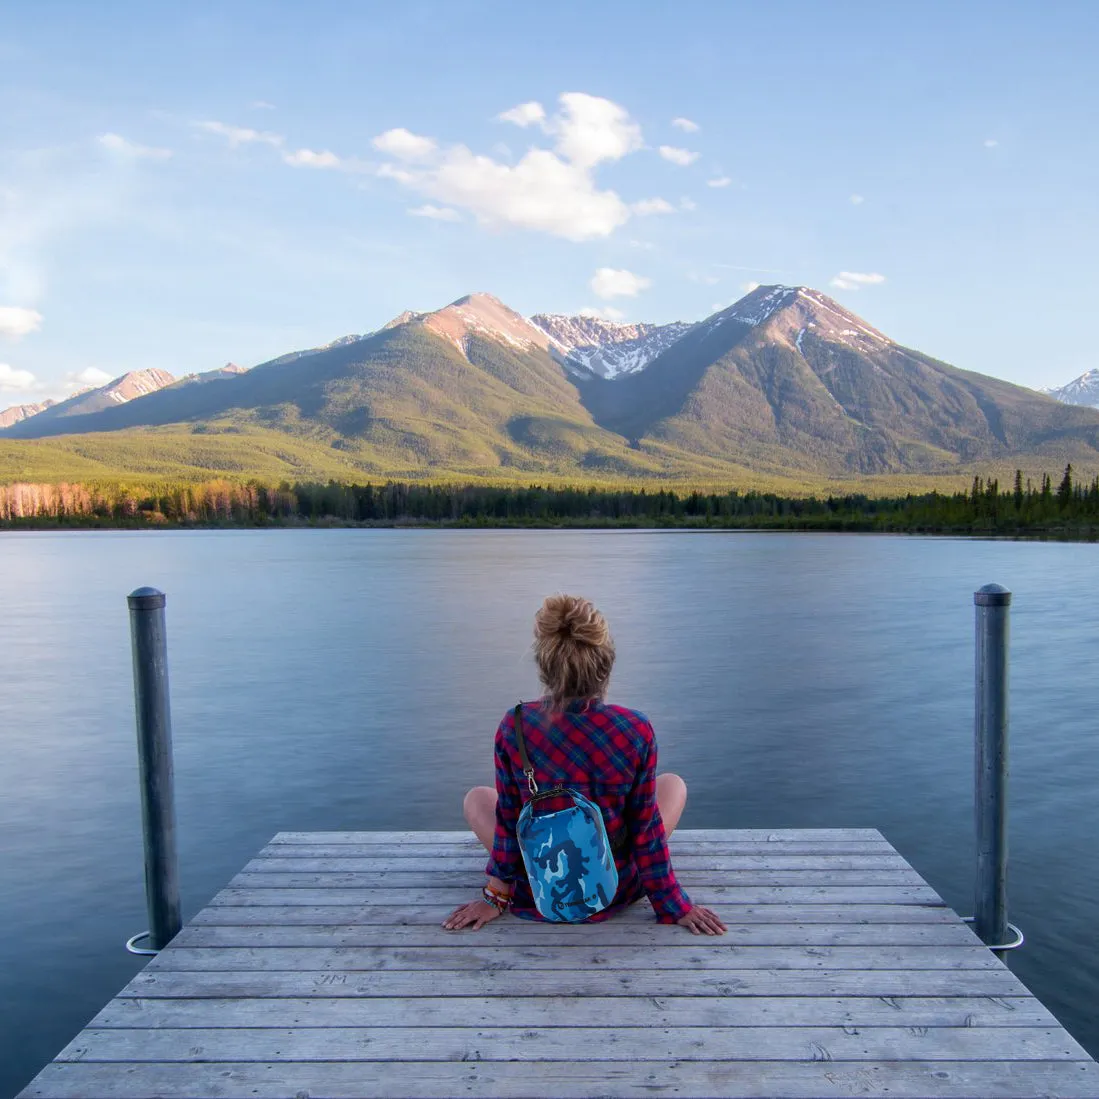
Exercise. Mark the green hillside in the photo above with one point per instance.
(784, 390)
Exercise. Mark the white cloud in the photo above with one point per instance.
(116, 143)
(686, 125)
(682, 157)
(606, 313)
(437, 213)
(241, 135)
(856, 200)
(649, 206)
(687, 204)
(748, 287)
(991, 143)
(16, 322)
(307, 158)
(551, 191)
(261, 105)
(16, 381)
(89, 377)
(405, 145)
(644, 245)
(526, 114)
(591, 129)
(609, 282)
(853, 280)
(720, 181)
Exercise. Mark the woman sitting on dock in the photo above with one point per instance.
(605, 753)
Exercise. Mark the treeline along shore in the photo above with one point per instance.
(1066, 509)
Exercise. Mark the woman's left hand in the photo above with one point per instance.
(477, 913)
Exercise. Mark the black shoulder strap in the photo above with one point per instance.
(528, 770)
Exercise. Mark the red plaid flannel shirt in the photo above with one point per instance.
(607, 753)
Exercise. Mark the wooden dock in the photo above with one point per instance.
(322, 971)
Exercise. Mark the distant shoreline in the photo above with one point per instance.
(1060, 533)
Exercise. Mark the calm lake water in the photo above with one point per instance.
(354, 679)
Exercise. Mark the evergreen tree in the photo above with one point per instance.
(1064, 490)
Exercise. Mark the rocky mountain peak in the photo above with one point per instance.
(608, 349)
(1083, 390)
(483, 315)
(793, 311)
(20, 412)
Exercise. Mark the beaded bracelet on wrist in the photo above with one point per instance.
(499, 901)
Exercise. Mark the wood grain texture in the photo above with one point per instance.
(582, 1080)
(323, 970)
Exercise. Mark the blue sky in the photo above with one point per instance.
(183, 186)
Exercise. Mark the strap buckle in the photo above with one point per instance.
(529, 772)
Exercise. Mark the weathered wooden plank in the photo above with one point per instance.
(471, 848)
(502, 982)
(578, 1080)
(640, 913)
(710, 895)
(467, 879)
(697, 835)
(704, 953)
(776, 1043)
(323, 967)
(512, 933)
(475, 864)
(573, 1011)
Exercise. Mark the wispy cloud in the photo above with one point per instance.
(116, 143)
(604, 313)
(686, 125)
(16, 381)
(405, 145)
(682, 157)
(44, 195)
(436, 213)
(855, 280)
(856, 200)
(646, 207)
(526, 114)
(91, 377)
(237, 136)
(261, 105)
(720, 181)
(549, 190)
(241, 135)
(990, 143)
(308, 158)
(609, 282)
(16, 322)
(688, 204)
(748, 287)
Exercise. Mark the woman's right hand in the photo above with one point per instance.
(477, 913)
(702, 921)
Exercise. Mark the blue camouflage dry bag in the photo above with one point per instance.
(569, 861)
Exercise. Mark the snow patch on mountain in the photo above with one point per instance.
(1083, 390)
(608, 349)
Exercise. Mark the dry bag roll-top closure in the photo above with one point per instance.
(566, 852)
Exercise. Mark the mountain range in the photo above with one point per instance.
(785, 382)
(1083, 390)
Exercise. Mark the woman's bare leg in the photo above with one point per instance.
(671, 799)
(479, 809)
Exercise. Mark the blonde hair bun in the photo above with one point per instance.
(573, 649)
(571, 617)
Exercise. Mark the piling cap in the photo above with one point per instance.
(145, 599)
(992, 595)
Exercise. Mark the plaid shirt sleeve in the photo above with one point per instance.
(654, 864)
(505, 860)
